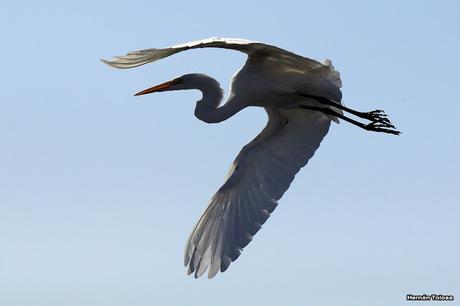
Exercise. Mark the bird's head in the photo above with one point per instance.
(187, 81)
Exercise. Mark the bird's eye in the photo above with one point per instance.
(177, 81)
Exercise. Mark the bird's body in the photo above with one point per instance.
(300, 95)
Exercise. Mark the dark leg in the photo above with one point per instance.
(375, 126)
(374, 116)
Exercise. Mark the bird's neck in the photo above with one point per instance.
(207, 109)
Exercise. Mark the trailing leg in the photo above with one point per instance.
(374, 116)
(375, 126)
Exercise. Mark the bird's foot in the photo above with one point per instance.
(382, 126)
(377, 115)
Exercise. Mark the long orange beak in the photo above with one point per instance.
(162, 87)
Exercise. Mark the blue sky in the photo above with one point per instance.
(99, 189)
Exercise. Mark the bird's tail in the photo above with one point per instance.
(333, 75)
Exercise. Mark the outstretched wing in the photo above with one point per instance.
(258, 178)
(289, 61)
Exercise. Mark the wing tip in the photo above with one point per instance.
(105, 62)
(114, 64)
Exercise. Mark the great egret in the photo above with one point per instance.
(300, 95)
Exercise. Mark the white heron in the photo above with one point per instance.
(300, 95)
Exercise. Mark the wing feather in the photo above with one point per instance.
(258, 178)
(291, 62)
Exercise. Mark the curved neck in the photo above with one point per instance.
(207, 109)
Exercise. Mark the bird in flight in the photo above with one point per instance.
(301, 97)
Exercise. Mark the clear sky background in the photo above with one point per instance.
(99, 189)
